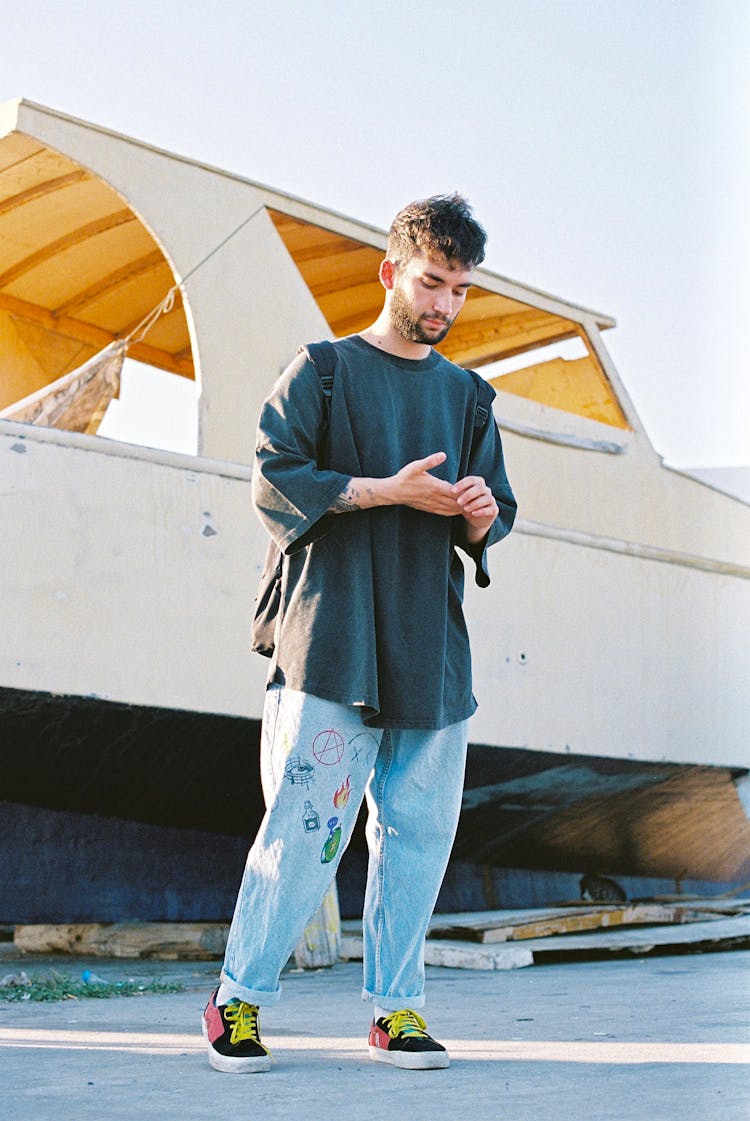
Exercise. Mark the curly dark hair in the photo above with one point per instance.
(442, 225)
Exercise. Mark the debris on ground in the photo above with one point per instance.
(52, 985)
(500, 939)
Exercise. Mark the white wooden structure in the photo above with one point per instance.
(616, 625)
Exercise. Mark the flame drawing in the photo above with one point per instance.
(342, 795)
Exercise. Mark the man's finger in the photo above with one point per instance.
(467, 482)
(418, 466)
(471, 494)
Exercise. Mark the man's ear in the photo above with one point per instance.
(387, 274)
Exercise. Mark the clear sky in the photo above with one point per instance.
(605, 145)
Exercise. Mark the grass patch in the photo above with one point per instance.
(53, 986)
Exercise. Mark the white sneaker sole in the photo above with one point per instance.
(227, 1065)
(411, 1060)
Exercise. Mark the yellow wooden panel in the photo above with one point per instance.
(57, 280)
(54, 353)
(351, 301)
(303, 239)
(20, 372)
(16, 147)
(50, 218)
(20, 178)
(32, 357)
(132, 298)
(78, 268)
(96, 336)
(482, 304)
(329, 274)
(24, 260)
(353, 324)
(480, 342)
(46, 228)
(573, 385)
(170, 333)
(113, 283)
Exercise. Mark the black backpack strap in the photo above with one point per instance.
(485, 396)
(323, 357)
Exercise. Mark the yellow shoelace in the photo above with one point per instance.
(244, 1020)
(405, 1022)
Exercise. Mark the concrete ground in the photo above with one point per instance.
(637, 1039)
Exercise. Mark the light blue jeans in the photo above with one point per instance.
(318, 761)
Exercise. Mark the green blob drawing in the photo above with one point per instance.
(333, 840)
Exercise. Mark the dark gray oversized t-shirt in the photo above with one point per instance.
(371, 601)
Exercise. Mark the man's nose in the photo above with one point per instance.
(444, 302)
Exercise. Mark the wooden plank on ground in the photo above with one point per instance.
(716, 933)
(166, 941)
(708, 904)
(489, 927)
(467, 955)
(453, 954)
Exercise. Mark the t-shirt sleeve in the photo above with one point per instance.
(292, 492)
(488, 462)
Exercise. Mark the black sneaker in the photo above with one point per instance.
(233, 1035)
(401, 1039)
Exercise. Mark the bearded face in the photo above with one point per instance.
(429, 326)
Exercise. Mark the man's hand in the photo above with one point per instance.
(477, 505)
(414, 486)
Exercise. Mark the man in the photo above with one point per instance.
(369, 691)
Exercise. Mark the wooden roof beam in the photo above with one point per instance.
(345, 292)
(484, 355)
(44, 188)
(28, 153)
(318, 249)
(96, 336)
(508, 336)
(75, 237)
(309, 240)
(111, 281)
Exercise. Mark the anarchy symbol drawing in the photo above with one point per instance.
(328, 747)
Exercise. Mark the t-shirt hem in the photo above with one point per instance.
(377, 720)
(372, 716)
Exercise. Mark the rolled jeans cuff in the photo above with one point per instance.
(230, 989)
(394, 1004)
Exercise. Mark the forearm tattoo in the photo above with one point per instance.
(349, 500)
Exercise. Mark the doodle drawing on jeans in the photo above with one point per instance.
(300, 772)
(332, 842)
(328, 747)
(310, 818)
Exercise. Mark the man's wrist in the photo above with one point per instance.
(475, 534)
(363, 494)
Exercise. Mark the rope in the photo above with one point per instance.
(141, 329)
